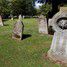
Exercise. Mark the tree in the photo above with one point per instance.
(4, 8)
(45, 8)
(24, 7)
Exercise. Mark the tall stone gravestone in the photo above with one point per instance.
(58, 49)
(18, 30)
(1, 23)
(43, 25)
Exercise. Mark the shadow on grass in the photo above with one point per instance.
(4, 20)
(6, 24)
(26, 36)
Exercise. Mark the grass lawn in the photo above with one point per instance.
(29, 52)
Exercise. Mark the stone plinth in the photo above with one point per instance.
(43, 25)
(18, 30)
(58, 50)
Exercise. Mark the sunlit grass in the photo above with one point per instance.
(29, 52)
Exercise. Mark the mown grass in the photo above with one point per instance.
(29, 52)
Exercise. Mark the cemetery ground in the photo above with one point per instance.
(29, 52)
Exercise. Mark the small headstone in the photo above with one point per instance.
(23, 16)
(20, 17)
(43, 25)
(50, 29)
(18, 30)
(11, 16)
(49, 22)
(1, 23)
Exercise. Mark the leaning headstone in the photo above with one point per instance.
(49, 22)
(18, 30)
(43, 25)
(1, 23)
(58, 49)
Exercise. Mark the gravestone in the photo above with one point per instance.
(50, 29)
(23, 16)
(1, 23)
(20, 17)
(49, 22)
(43, 25)
(58, 49)
(11, 16)
(18, 30)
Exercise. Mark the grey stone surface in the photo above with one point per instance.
(43, 25)
(11, 16)
(50, 22)
(58, 49)
(18, 30)
(20, 17)
(1, 23)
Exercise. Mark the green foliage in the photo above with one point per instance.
(4, 8)
(17, 7)
(23, 7)
(45, 8)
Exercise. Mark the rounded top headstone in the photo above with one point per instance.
(59, 21)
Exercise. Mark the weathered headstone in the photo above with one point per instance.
(58, 49)
(1, 23)
(18, 30)
(43, 25)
